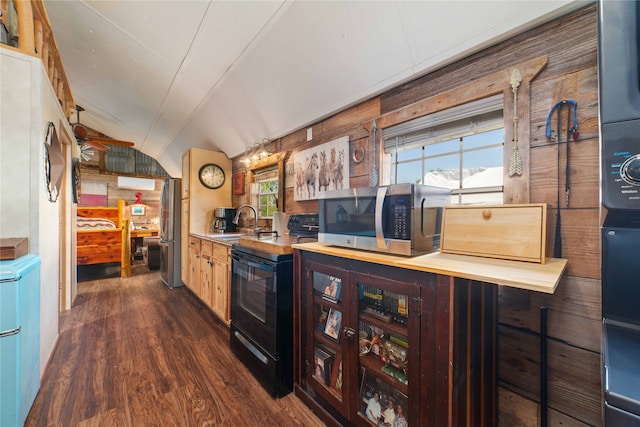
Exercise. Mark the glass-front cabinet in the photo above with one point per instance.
(327, 345)
(378, 345)
(388, 358)
(361, 348)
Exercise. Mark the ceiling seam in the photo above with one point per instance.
(174, 79)
(283, 7)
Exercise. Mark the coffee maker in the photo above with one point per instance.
(222, 220)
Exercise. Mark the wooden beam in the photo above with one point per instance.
(25, 27)
(483, 87)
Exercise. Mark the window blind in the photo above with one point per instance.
(462, 120)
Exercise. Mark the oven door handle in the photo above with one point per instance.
(382, 193)
(255, 264)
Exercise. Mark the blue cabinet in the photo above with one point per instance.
(19, 338)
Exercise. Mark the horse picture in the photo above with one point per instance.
(323, 175)
(321, 168)
(311, 176)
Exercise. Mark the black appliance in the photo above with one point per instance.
(303, 225)
(223, 220)
(261, 333)
(619, 87)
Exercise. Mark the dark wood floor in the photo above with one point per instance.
(133, 353)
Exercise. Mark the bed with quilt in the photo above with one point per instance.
(101, 236)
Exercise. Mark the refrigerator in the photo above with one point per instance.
(170, 221)
(19, 338)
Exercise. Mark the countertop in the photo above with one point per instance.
(224, 239)
(515, 274)
(275, 245)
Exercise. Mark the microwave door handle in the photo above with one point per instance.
(382, 192)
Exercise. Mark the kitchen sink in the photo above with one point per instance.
(225, 236)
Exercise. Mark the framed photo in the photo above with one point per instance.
(334, 322)
(379, 402)
(323, 363)
(322, 318)
(138, 210)
(238, 183)
(336, 374)
(329, 286)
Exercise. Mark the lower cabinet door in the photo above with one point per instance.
(330, 334)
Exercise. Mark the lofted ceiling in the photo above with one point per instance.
(222, 75)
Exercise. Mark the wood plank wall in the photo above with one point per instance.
(574, 313)
(151, 198)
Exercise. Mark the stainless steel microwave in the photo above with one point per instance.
(402, 219)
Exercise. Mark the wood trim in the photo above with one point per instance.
(36, 39)
(489, 85)
(125, 256)
(516, 188)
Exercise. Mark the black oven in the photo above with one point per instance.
(261, 334)
(619, 104)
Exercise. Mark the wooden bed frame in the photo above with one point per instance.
(105, 245)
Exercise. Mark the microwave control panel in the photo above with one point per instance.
(400, 217)
(621, 165)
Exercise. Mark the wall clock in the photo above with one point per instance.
(211, 176)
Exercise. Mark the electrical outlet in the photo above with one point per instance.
(309, 134)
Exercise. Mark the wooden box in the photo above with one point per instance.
(511, 232)
(13, 248)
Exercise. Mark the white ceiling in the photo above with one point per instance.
(222, 75)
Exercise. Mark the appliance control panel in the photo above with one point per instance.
(400, 217)
(621, 165)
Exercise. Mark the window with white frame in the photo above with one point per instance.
(460, 148)
(266, 192)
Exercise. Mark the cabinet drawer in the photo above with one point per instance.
(512, 232)
(206, 247)
(194, 243)
(221, 253)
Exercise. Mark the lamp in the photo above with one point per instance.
(260, 151)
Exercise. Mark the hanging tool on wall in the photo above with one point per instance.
(572, 133)
(374, 170)
(515, 163)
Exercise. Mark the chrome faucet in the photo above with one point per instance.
(236, 219)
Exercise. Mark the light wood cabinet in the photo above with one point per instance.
(221, 281)
(186, 182)
(184, 237)
(210, 274)
(203, 200)
(198, 201)
(206, 271)
(193, 282)
(206, 279)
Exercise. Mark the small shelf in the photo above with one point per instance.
(318, 299)
(374, 365)
(391, 327)
(321, 338)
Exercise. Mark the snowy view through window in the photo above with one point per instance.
(472, 166)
